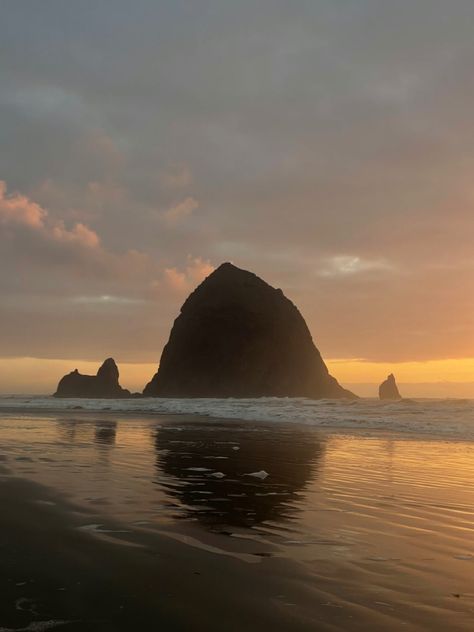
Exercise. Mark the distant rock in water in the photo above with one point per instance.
(389, 389)
(104, 384)
(236, 336)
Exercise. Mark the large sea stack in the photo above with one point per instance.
(103, 385)
(236, 336)
(389, 389)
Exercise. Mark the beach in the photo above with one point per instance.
(349, 517)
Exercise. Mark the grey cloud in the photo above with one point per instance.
(305, 131)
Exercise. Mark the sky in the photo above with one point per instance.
(326, 145)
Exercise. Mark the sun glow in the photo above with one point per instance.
(434, 378)
(360, 370)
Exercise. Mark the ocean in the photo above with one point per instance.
(429, 417)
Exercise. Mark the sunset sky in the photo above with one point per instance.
(326, 145)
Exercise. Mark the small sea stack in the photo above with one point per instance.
(389, 389)
(236, 336)
(103, 385)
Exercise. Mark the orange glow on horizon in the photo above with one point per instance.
(360, 370)
(41, 375)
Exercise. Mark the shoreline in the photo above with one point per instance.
(351, 429)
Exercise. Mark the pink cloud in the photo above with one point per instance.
(79, 234)
(183, 281)
(175, 280)
(17, 210)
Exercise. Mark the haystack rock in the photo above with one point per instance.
(389, 389)
(236, 336)
(104, 384)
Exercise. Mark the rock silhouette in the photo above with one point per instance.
(388, 389)
(236, 336)
(104, 384)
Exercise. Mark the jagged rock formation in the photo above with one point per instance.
(236, 336)
(104, 384)
(388, 389)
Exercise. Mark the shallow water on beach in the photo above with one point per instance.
(378, 527)
(441, 417)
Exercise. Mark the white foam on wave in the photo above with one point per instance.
(449, 417)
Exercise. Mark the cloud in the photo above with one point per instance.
(330, 156)
(349, 265)
(176, 280)
(184, 280)
(17, 210)
(79, 234)
(177, 214)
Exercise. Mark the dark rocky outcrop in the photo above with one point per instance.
(236, 336)
(388, 389)
(104, 384)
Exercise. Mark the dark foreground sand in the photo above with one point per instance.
(76, 554)
(51, 571)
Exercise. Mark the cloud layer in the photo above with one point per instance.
(326, 146)
(19, 212)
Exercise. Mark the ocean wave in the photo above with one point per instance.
(448, 417)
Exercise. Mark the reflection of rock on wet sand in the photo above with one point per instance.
(105, 433)
(193, 459)
(68, 429)
(72, 431)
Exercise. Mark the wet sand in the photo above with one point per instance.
(54, 571)
(119, 523)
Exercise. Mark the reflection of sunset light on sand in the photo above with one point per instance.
(407, 511)
(400, 507)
